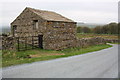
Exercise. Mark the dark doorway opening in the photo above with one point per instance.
(40, 40)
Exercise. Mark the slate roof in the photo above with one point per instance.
(49, 15)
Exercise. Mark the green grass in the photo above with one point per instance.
(13, 58)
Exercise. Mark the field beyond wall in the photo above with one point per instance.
(91, 35)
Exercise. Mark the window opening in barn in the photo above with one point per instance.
(14, 29)
(57, 25)
(35, 26)
(63, 24)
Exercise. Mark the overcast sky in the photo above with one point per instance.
(88, 11)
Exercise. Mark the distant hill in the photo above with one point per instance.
(91, 25)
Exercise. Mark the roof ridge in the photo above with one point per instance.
(38, 9)
(50, 15)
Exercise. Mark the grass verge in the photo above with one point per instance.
(13, 58)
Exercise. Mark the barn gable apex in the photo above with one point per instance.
(23, 13)
(50, 16)
(46, 15)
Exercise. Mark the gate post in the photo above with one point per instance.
(26, 43)
(18, 42)
(32, 43)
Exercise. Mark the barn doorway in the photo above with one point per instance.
(40, 41)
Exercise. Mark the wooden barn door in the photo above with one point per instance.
(40, 40)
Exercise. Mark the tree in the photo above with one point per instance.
(119, 28)
(113, 28)
(86, 29)
(97, 29)
(79, 29)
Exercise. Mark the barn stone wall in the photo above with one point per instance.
(60, 35)
(25, 24)
(56, 34)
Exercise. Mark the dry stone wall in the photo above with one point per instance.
(112, 40)
(56, 34)
(8, 43)
(85, 42)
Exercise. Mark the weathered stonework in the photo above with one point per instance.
(85, 42)
(58, 32)
(112, 40)
(8, 43)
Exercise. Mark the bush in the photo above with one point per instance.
(112, 28)
(83, 29)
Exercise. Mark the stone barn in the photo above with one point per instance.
(54, 31)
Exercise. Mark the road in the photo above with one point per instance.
(99, 64)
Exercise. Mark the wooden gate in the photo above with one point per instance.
(27, 43)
